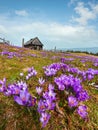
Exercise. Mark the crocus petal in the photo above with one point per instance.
(18, 100)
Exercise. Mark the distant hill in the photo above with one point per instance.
(89, 49)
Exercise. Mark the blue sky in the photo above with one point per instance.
(60, 23)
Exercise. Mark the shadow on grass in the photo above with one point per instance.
(26, 118)
(3, 119)
(16, 117)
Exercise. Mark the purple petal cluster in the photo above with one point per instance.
(50, 94)
(46, 104)
(44, 118)
(90, 73)
(31, 72)
(16, 88)
(24, 98)
(52, 69)
(72, 101)
(82, 111)
(41, 81)
(82, 95)
(10, 54)
(39, 90)
(19, 91)
(41, 106)
(3, 85)
(66, 82)
(63, 59)
(33, 55)
(96, 64)
(76, 93)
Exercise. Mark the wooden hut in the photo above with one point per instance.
(34, 44)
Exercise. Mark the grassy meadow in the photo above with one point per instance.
(16, 60)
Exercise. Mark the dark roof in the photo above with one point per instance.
(34, 41)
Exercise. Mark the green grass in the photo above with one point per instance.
(15, 117)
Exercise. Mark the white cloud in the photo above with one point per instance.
(52, 33)
(95, 9)
(85, 13)
(21, 12)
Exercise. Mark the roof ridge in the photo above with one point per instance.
(32, 40)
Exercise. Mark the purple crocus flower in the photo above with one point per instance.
(82, 96)
(30, 69)
(31, 101)
(27, 77)
(50, 104)
(23, 97)
(96, 64)
(21, 74)
(22, 85)
(41, 81)
(39, 90)
(44, 118)
(49, 95)
(52, 95)
(3, 85)
(90, 77)
(50, 71)
(31, 72)
(72, 101)
(51, 87)
(77, 88)
(82, 111)
(60, 82)
(41, 106)
(14, 89)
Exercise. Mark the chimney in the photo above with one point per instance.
(23, 42)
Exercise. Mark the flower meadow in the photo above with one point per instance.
(48, 90)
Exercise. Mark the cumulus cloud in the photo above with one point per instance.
(85, 14)
(21, 12)
(53, 33)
